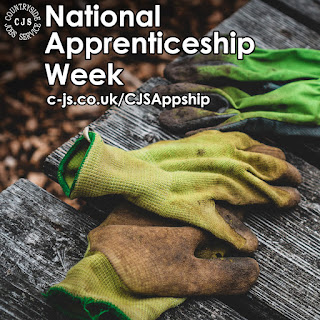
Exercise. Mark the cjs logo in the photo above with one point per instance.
(22, 20)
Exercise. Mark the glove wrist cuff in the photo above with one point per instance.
(70, 166)
(90, 289)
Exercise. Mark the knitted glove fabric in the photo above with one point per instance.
(92, 289)
(291, 110)
(261, 66)
(95, 169)
(96, 287)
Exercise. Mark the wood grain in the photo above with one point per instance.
(41, 238)
(270, 28)
(289, 255)
(304, 11)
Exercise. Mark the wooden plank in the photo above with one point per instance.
(41, 238)
(289, 251)
(305, 11)
(270, 28)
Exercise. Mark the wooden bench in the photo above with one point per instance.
(42, 237)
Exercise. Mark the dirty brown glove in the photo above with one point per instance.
(129, 214)
(132, 266)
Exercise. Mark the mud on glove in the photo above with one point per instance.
(134, 257)
(225, 171)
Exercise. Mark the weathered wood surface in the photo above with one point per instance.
(270, 28)
(289, 255)
(41, 238)
(305, 11)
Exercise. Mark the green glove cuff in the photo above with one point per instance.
(92, 288)
(96, 169)
(70, 166)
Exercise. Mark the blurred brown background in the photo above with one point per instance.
(30, 129)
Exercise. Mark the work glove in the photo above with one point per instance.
(260, 71)
(224, 171)
(290, 110)
(136, 260)
(240, 92)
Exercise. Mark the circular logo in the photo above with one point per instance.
(22, 20)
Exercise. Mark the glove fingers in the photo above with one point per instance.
(229, 214)
(198, 59)
(237, 188)
(291, 176)
(182, 74)
(160, 260)
(181, 88)
(261, 65)
(288, 197)
(186, 69)
(207, 216)
(184, 119)
(129, 214)
(196, 131)
(227, 276)
(270, 168)
(267, 163)
(204, 145)
(238, 211)
(265, 149)
(263, 166)
(260, 192)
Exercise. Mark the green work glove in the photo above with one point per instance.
(231, 174)
(262, 67)
(291, 110)
(135, 260)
